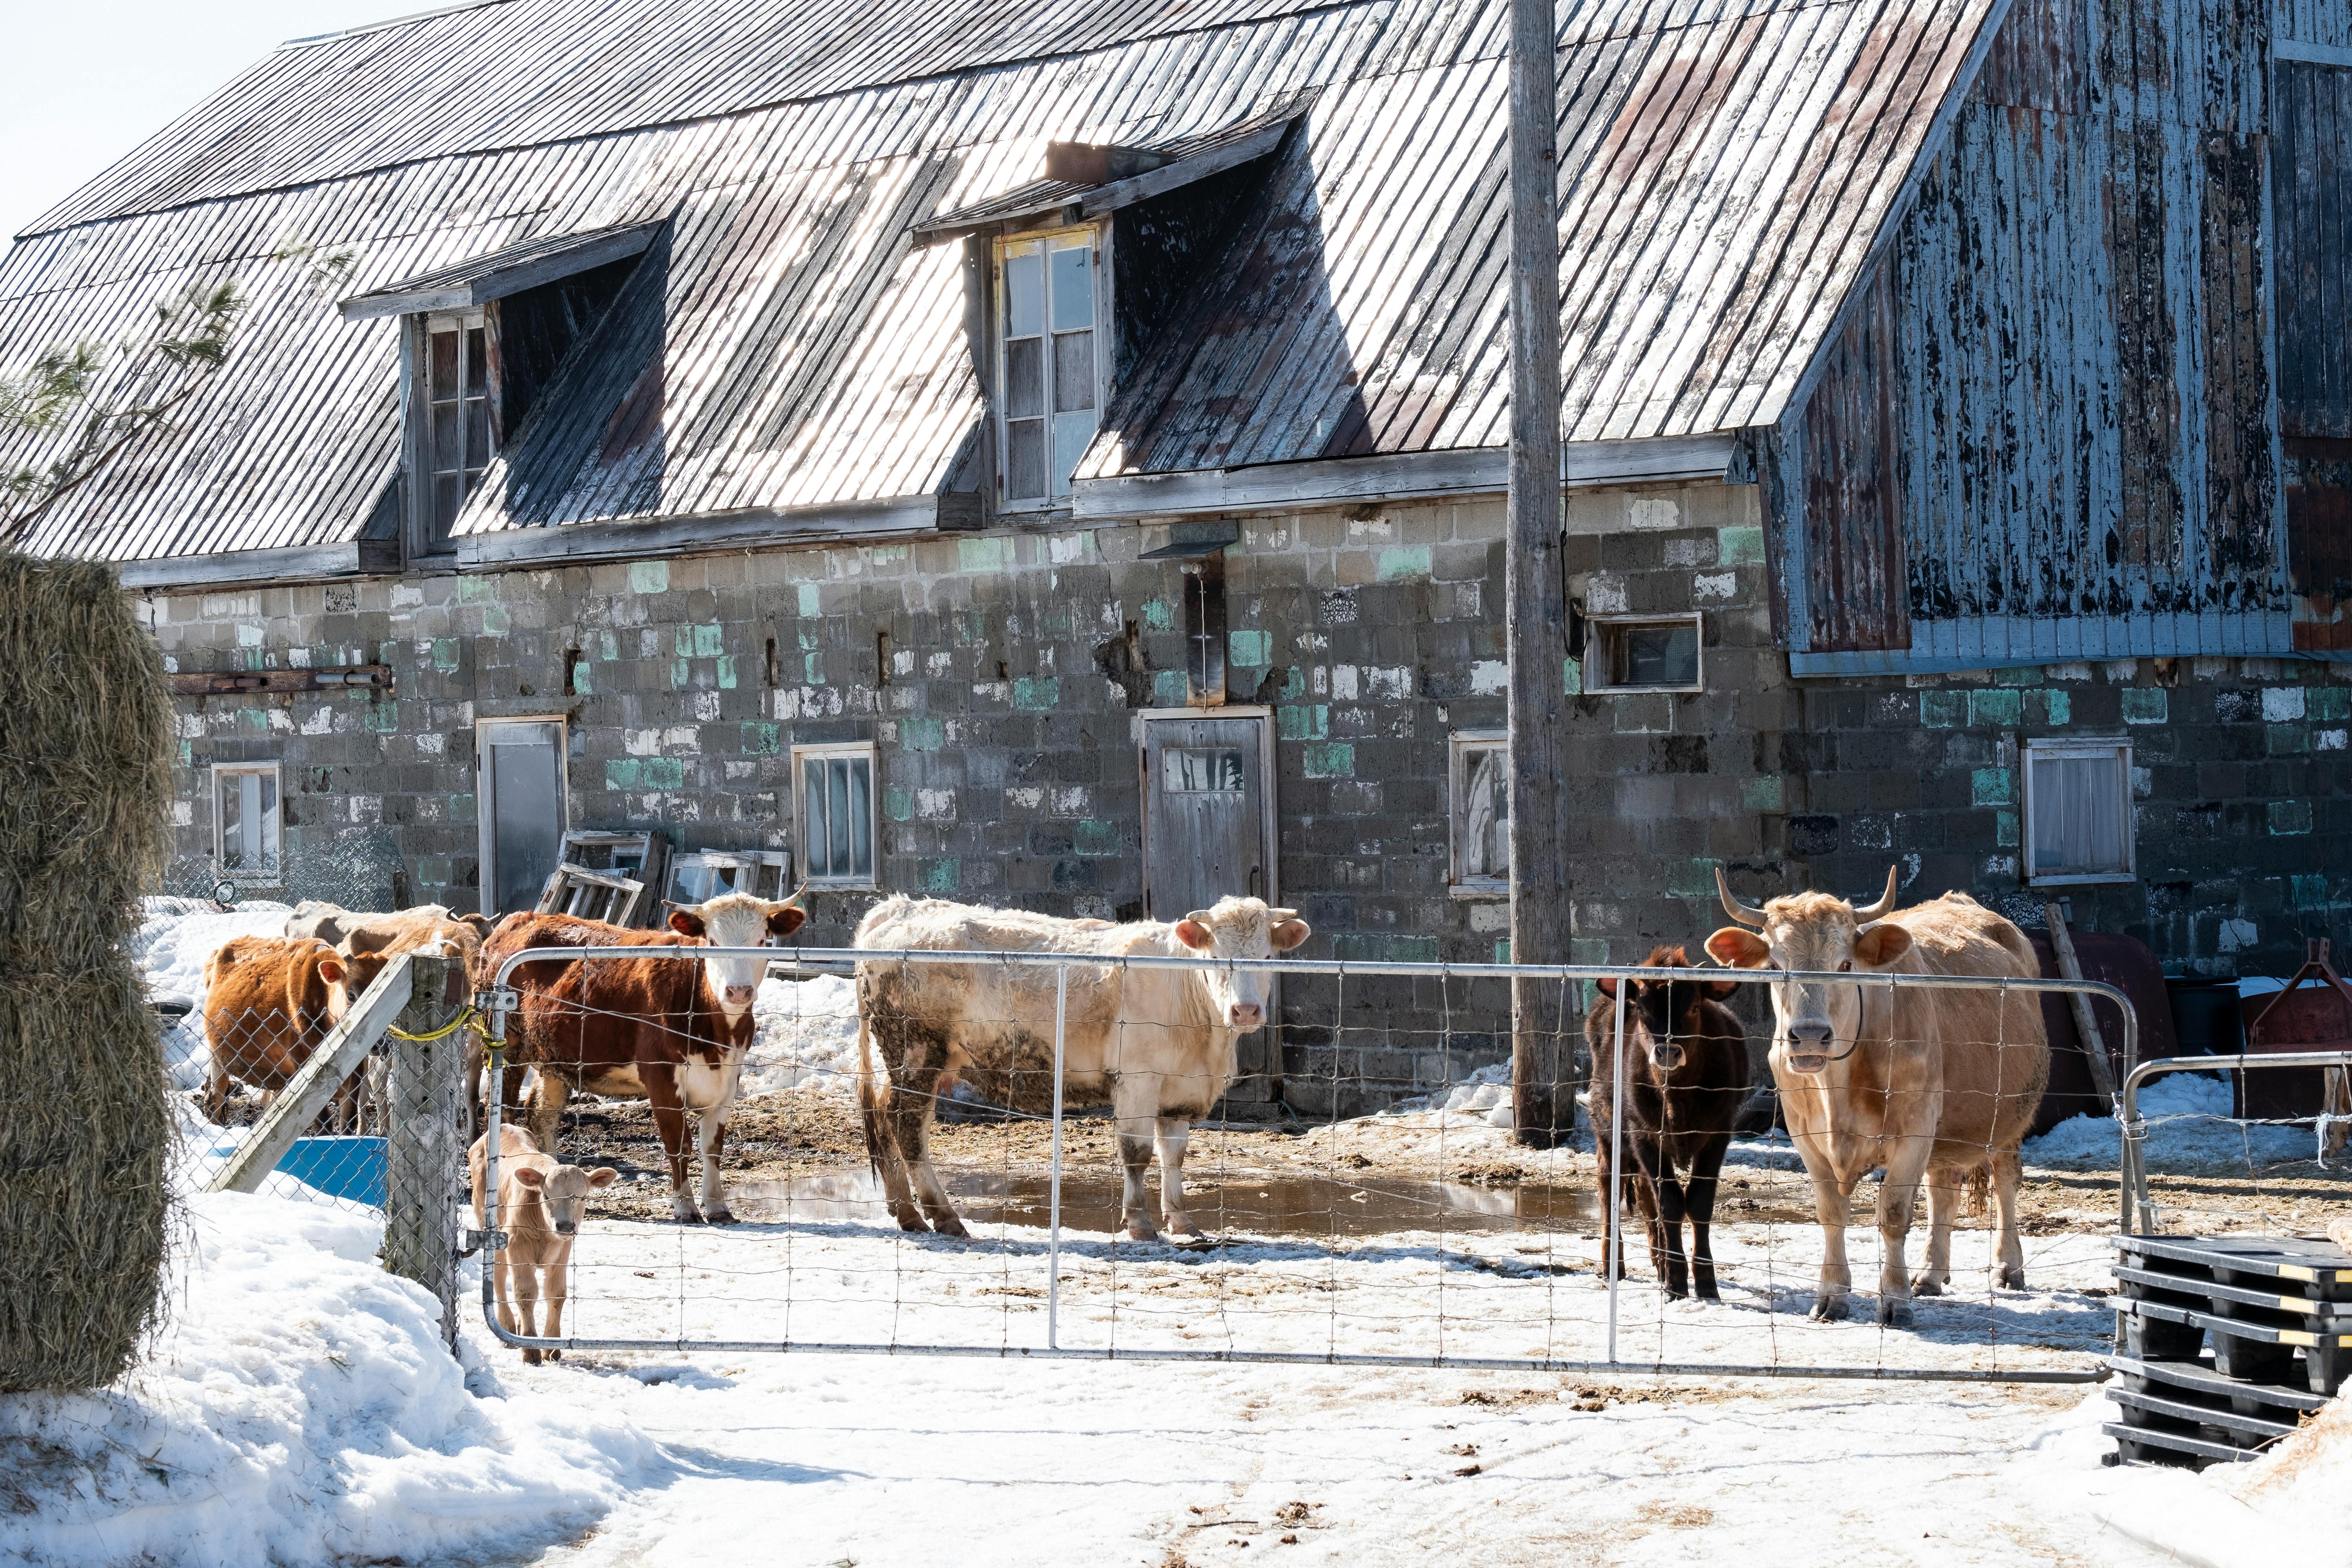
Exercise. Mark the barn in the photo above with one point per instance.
(1053, 455)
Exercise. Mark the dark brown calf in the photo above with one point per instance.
(1686, 1077)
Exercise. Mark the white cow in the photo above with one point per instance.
(1157, 1045)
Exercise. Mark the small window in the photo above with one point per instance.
(1201, 770)
(834, 790)
(2078, 811)
(1480, 790)
(247, 822)
(1655, 654)
(457, 442)
(1049, 370)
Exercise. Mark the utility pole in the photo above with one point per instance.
(1542, 1096)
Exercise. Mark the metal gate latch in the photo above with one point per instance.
(496, 999)
(475, 1239)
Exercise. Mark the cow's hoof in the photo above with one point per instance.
(1142, 1230)
(2013, 1279)
(1192, 1240)
(1709, 1293)
(531, 1358)
(555, 1355)
(951, 1226)
(1925, 1285)
(1894, 1312)
(685, 1216)
(720, 1216)
(912, 1221)
(1830, 1309)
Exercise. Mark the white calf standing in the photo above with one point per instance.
(540, 1201)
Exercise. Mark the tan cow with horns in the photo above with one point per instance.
(1930, 1083)
(1156, 1044)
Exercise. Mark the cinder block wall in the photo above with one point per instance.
(1008, 737)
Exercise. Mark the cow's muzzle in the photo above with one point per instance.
(1668, 1056)
(735, 998)
(1808, 1047)
(1245, 1016)
(566, 1228)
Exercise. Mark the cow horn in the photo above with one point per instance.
(791, 903)
(1282, 914)
(1746, 914)
(1886, 901)
(1201, 915)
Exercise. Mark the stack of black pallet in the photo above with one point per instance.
(2226, 1343)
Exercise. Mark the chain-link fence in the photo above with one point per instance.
(966, 1197)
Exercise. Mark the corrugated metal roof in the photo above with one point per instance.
(481, 279)
(1724, 163)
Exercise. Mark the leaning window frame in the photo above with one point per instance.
(872, 881)
(1597, 628)
(2050, 747)
(418, 467)
(1097, 234)
(267, 876)
(1458, 747)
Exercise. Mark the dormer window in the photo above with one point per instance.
(458, 440)
(1050, 370)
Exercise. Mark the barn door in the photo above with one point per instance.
(519, 805)
(1208, 823)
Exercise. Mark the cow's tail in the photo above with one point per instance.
(873, 1102)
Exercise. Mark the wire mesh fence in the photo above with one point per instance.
(1425, 1235)
(243, 1059)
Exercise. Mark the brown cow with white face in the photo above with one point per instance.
(1930, 1083)
(1156, 1044)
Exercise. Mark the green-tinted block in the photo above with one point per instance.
(1306, 721)
(623, 773)
(2288, 817)
(187, 754)
(461, 807)
(898, 804)
(943, 876)
(1992, 786)
(681, 674)
(381, 717)
(1159, 616)
(2019, 675)
(709, 641)
(809, 638)
(1294, 684)
(1571, 677)
(475, 590)
(1168, 688)
(1097, 837)
(496, 622)
(1742, 546)
(1331, 760)
(922, 735)
(726, 672)
(1943, 709)
(1037, 693)
(1999, 707)
(648, 577)
(1356, 947)
(1691, 879)
(1412, 950)
(1406, 561)
(2053, 706)
(1248, 649)
(1767, 794)
(2327, 703)
(665, 772)
(813, 668)
(2287, 739)
(806, 593)
(582, 684)
(2145, 705)
(445, 653)
(2310, 892)
(984, 555)
(1502, 950)
(682, 641)
(608, 646)
(2004, 829)
(763, 740)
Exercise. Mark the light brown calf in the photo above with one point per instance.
(540, 1202)
(269, 1002)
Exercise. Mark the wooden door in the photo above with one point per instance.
(1208, 822)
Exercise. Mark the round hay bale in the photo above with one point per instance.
(84, 1118)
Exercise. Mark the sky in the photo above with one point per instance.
(94, 78)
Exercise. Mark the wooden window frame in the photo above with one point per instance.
(1097, 238)
(1598, 629)
(420, 459)
(872, 881)
(2050, 747)
(1458, 747)
(267, 876)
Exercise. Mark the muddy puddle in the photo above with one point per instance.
(1290, 1206)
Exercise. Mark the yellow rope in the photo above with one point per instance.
(443, 1033)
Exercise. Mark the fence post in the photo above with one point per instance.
(424, 1095)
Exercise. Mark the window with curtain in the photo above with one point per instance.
(2078, 812)
(1480, 811)
(833, 787)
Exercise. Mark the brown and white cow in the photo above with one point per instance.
(670, 1030)
(1929, 1082)
(1157, 1045)
(541, 1204)
(269, 1002)
(364, 932)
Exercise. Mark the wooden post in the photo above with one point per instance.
(2087, 1024)
(424, 1145)
(1542, 1097)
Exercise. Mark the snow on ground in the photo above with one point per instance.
(299, 1407)
(2190, 1132)
(806, 1033)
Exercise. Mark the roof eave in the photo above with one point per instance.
(496, 283)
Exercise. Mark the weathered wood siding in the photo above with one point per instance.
(1859, 596)
(2082, 352)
